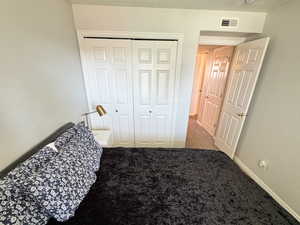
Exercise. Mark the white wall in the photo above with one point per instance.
(188, 22)
(272, 128)
(41, 84)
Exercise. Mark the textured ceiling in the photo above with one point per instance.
(258, 5)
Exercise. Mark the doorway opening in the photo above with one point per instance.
(210, 78)
(227, 69)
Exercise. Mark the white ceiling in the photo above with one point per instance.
(258, 5)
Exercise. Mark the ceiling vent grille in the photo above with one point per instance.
(229, 23)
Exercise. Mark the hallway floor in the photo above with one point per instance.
(198, 137)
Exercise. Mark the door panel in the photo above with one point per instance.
(143, 125)
(154, 80)
(125, 125)
(145, 55)
(121, 75)
(243, 76)
(108, 79)
(162, 135)
(145, 78)
(120, 55)
(163, 79)
(101, 54)
(215, 83)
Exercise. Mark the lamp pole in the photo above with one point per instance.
(99, 109)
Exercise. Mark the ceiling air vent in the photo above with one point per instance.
(229, 23)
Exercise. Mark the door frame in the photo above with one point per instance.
(207, 71)
(81, 34)
(218, 41)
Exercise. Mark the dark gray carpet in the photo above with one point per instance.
(175, 187)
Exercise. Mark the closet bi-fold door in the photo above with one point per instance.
(108, 75)
(154, 65)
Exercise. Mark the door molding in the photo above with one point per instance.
(207, 71)
(81, 34)
(221, 40)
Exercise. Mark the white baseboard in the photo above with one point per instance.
(260, 182)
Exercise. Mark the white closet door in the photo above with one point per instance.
(108, 76)
(154, 80)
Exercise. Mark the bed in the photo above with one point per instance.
(144, 186)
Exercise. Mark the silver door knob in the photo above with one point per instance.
(117, 110)
(150, 111)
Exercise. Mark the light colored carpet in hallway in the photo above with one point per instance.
(198, 137)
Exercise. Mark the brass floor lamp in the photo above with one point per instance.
(99, 109)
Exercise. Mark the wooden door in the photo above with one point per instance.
(215, 83)
(243, 76)
(108, 76)
(154, 65)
